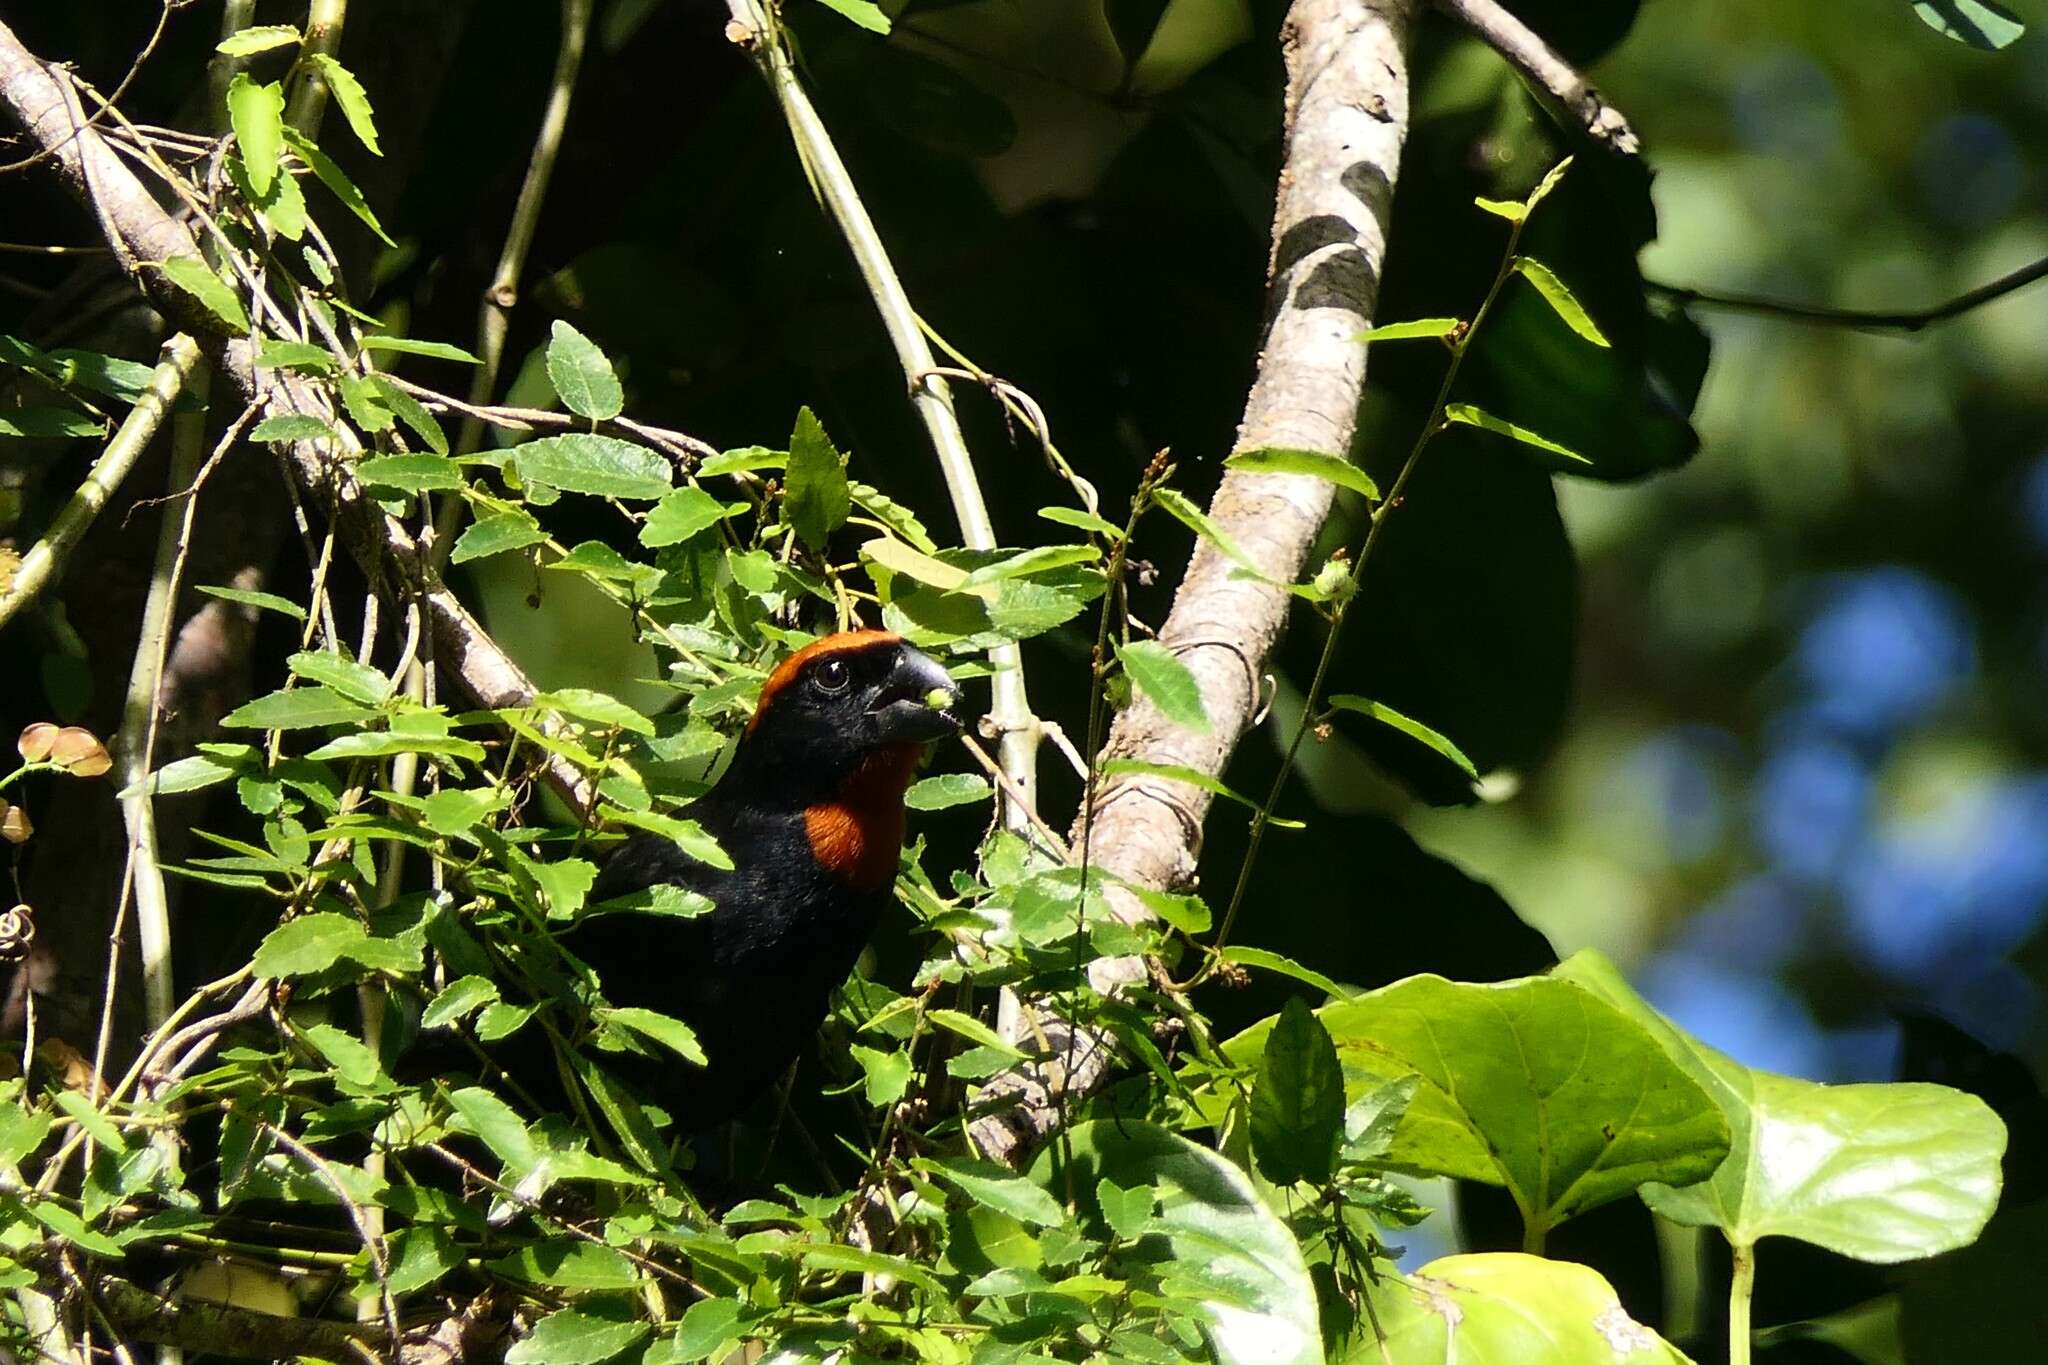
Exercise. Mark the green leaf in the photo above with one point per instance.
(899, 558)
(673, 1034)
(338, 184)
(357, 682)
(1434, 329)
(385, 743)
(848, 1260)
(351, 1059)
(945, 790)
(682, 514)
(1209, 1217)
(256, 112)
(1549, 182)
(495, 534)
(1976, 23)
(991, 1186)
(1507, 1307)
(1195, 519)
(1194, 777)
(432, 350)
(1287, 967)
(1314, 464)
(259, 38)
(353, 99)
(974, 1031)
(1503, 208)
(710, 1327)
(410, 473)
(49, 423)
(1559, 298)
(1043, 559)
(864, 13)
(192, 774)
(579, 1267)
(900, 520)
(582, 376)
(365, 404)
(301, 355)
(1084, 521)
(311, 943)
(1882, 1173)
(571, 1337)
(885, 1075)
(1166, 682)
(297, 709)
(601, 466)
(196, 278)
(595, 707)
(1189, 914)
(1537, 1085)
(457, 999)
(496, 1125)
(1297, 1106)
(412, 412)
(263, 601)
(815, 497)
(1465, 414)
(291, 428)
(1415, 729)
(1127, 1211)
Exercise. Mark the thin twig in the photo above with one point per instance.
(128, 78)
(1881, 320)
(181, 354)
(1557, 81)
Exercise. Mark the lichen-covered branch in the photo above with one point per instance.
(1347, 116)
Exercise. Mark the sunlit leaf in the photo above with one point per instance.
(353, 99)
(1505, 1307)
(1465, 414)
(1314, 464)
(601, 466)
(1559, 298)
(815, 496)
(197, 278)
(1978, 23)
(582, 375)
(256, 112)
(1365, 706)
(1297, 1105)
(1166, 683)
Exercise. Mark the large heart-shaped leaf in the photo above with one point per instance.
(1507, 1309)
(1879, 1172)
(1537, 1085)
(1211, 1217)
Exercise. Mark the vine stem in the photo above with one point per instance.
(501, 296)
(1461, 343)
(1741, 1286)
(1010, 709)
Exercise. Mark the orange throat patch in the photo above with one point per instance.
(857, 834)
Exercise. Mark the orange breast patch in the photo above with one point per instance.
(857, 834)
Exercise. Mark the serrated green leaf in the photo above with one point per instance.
(864, 13)
(1175, 772)
(1415, 729)
(292, 427)
(432, 350)
(1166, 683)
(600, 466)
(412, 412)
(196, 278)
(1548, 183)
(311, 943)
(1559, 298)
(410, 473)
(885, 1075)
(1508, 1307)
(295, 709)
(258, 38)
(947, 790)
(1465, 414)
(673, 1034)
(582, 375)
(298, 355)
(457, 999)
(573, 1337)
(682, 514)
(353, 99)
(385, 743)
(358, 682)
(1085, 521)
(1313, 464)
(992, 1186)
(49, 423)
(337, 182)
(574, 1266)
(815, 499)
(1127, 1211)
(595, 707)
(1177, 505)
(256, 112)
(1433, 329)
(1504, 208)
(495, 534)
(1286, 966)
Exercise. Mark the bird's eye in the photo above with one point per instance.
(833, 675)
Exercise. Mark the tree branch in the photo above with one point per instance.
(1558, 83)
(141, 233)
(1347, 116)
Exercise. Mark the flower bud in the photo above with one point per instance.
(79, 752)
(14, 824)
(37, 741)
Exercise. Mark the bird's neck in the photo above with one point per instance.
(856, 833)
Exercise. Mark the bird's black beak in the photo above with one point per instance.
(916, 701)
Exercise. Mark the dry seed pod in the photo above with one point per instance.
(37, 741)
(79, 752)
(14, 824)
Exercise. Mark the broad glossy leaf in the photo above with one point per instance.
(682, 514)
(1537, 1085)
(1504, 1308)
(1209, 1215)
(574, 1337)
(602, 466)
(495, 534)
(1297, 1106)
(1882, 1173)
(1166, 683)
(582, 375)
(1979, 23)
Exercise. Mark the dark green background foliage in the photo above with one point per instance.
(1754, 683)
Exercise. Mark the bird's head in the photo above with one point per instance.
(828, 710)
